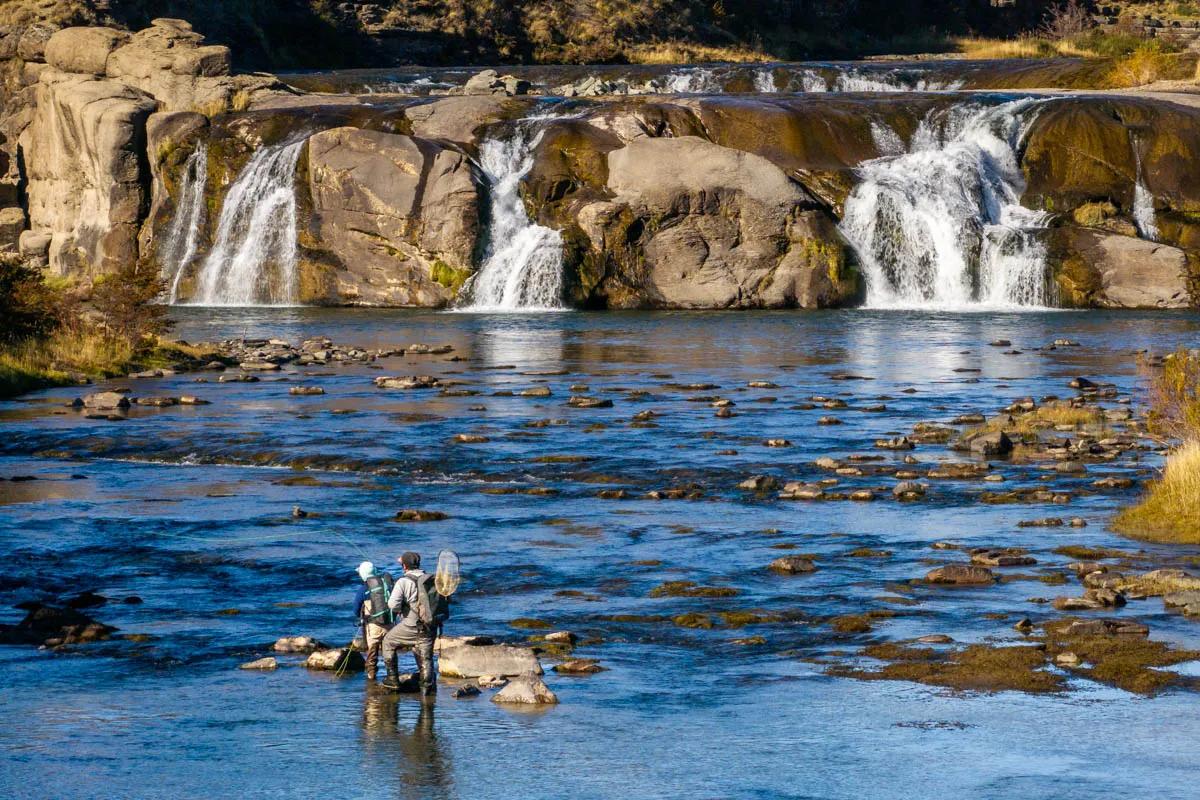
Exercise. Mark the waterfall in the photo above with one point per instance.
(941, 225)
(812, 81)
(1143, 202)
(183, 235)
(693, 81)
(863, 81)
(764, 80)
(523, 267)
(253, 260)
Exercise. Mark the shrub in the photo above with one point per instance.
(1146, 64)
(1170, 510)
(1175, 396)
(28, 306)
(1067, 20)
(126, 302)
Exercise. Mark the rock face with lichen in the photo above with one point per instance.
(398, 215)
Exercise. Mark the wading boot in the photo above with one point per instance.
(392, 681)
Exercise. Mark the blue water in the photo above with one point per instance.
(189, 508)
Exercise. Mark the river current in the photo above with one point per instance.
(190, 509)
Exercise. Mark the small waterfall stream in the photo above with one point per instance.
(253, 260)
(183, 236)
(1143, 202)
(941, 225)
(523, 267)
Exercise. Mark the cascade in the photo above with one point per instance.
(253, 259)
(183, 235)
(522, 267)
(941, 225)
(1143, 202)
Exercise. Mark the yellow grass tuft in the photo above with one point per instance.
(1170, 509)
(689, 53)
(1022, 47)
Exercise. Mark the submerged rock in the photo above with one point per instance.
(268, 663)
(792, 565)
(50, 626)
(961, 575)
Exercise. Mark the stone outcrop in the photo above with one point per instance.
(398, 214)
(85, 156)
(713, 227)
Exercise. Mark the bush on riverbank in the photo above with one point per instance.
(52, 335)
(1170, 509)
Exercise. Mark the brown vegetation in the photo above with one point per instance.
(1170, 509)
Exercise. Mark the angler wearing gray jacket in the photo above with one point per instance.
(409, 633)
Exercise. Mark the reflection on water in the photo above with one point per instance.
(191, 511)
(400, 733)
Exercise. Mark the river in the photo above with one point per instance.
(190, 509)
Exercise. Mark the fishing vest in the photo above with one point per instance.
(379, 591)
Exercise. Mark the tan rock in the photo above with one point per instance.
(85, 169)
(83, 49)
(400, 214)
(526, 690)
(456, 119)
(717, 228)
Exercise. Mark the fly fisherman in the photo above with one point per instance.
(373, 612)
(419, 611)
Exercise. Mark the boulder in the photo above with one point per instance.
(341, 659)
(526, 690)
(698, 225)
(992, 443)
(106, 400)
(85, 50)
(457, 658)
(1095, 268)
(35, 244)
(400, 215)
(961, 575)
(31, 46)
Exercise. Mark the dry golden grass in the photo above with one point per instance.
(50, 361)
(241, 100)
(24, 12)
(212, 108)
(1023, 47)
(688, 52)
(1170, 509)
(1147, 64)
(1046, 416)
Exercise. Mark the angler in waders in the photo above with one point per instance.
(420, 611)
(374, 614)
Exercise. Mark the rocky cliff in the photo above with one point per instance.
(142, 146)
